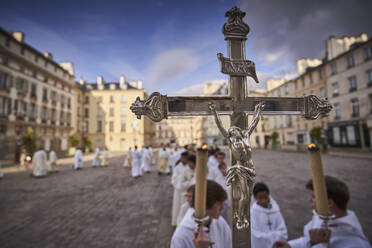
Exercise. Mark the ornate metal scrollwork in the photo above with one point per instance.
(315, 107)
(235, 27)
(237, 67)
(154, 107)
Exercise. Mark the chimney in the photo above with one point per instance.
(82, 82)
(100, 80)
(19, 36)
(139, 84)
(122, 79)
(48, 55)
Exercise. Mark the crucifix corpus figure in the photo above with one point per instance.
(238, 105)
(241, 175)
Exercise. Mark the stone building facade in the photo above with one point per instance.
(35, 93)
(105, 116)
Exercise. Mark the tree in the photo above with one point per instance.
(29, 141)
(87, 142)
(274, 137)
(316, 134)
(74, 140)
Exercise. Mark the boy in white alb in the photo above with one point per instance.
(344, 230)
(216, 230)
(267, 222)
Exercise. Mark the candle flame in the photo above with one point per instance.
(312, 146)
(204, 147)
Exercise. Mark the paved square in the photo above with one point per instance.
(104, 207)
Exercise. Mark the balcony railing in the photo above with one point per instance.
(356, 114)
(353, 89)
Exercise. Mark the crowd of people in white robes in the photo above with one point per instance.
(268, 228)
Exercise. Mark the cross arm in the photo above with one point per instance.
(308, 106)
(158, 107)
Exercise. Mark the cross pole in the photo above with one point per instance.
(237, 104)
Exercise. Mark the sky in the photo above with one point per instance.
(172, 46)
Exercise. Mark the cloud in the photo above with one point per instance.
(284, 31)
(196, 89)
(171, 64)
(116, 67)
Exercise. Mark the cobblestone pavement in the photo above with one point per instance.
(104, 207)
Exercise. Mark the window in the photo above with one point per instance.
(99, 112)
(333, 69)
(368, 52)
(122, 126)
(111, 126)
(99, 99)
(111, 112)
(369, 75)
(370, 103)
(350, 130)
(34, 74)
(355, 107)
(123, 98)
(22, 50)
(69, 102)
(46, 79)
(322, 92)
(86, 99)
(5, 61)
(337, 111)
(7, 42)
(336, 135)
(353, 83)
(36, 58)
(335, 89)
(311, 78)
(3, 80)
(112, 99)
(350, 61)
(85, 127)
(122, 113)
(45, 94)
(86, 112)
(320, 74)
(99, 126)
(303, 82)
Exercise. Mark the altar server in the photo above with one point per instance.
(78, 160)
(344, 230)
(40, 168)
(128, 158)
(179, 187)
(145, 165)
(216, 230)
(266, 220)
(136, 163)
(163, 160)
(97, 158)
(52, 164)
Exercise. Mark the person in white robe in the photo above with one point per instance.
(212, 165)
(145, 166)
(216, 231)
(128, 158)
(186, 205)
(97, 161)
(52, 163)
(153, 159)
(178, 187)
(105, 162)
(221, 179)
(40, 168)
(344, 230)
(163, 159)
(175, 157)
(267, 223)
(168, 167)
(136, 163)
(78, 160)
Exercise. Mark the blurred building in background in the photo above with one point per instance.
(36, 94)
(104, 117)
(344, 76)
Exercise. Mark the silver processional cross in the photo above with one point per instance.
(238, 105)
